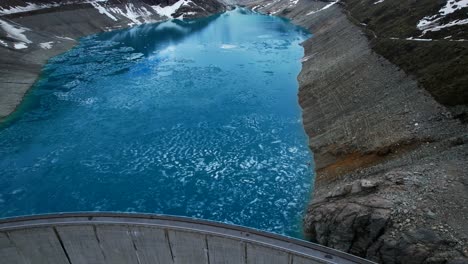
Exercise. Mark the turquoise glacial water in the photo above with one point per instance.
(196, 118)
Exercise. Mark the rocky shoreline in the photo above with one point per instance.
(391, 182)
(30, 34)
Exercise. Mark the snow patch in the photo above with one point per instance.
(453, 6)
(418, 39)
(256, 7)
(46, 45)
(457, 22)
(190, 13)
(15, 31)
(20, 45)
(29, 7)
(65, 38)
(3, 43)
(431, 23)
(323, 8)
(294, 2)
(378, 2)
(306, 58)
(167, 11)
(228, 46)
(138, 15)
(103, 10)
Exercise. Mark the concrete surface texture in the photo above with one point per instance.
(134, 238)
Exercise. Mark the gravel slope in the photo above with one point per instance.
(391, 180)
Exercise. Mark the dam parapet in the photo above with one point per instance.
(133, 238)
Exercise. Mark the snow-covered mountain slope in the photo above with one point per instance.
(32, 31)
(122, 13)
(426, 38)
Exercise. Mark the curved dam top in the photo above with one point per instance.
(197, 118)
(127, 239)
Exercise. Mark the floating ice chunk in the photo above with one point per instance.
(46, 45)
(3, 43)
(168, 50)
(293, 149)
(254, 201)
(228, 46)
(378, 2)
(135, 56)
(17, 191)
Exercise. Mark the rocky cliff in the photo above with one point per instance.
(378, 87)
(31, 33)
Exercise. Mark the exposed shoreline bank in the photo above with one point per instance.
(30, 38)
(391, 173)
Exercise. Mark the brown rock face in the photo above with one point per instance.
(391, 181)
(351, 226)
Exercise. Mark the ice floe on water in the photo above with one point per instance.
(228, 46)
(139, 121)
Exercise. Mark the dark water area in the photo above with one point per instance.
(196, 118)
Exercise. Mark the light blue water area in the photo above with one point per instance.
(197, 118)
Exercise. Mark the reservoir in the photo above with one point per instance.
(196, 118)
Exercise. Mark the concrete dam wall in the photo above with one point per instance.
(130, 238)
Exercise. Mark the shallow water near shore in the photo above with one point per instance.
(196, 118)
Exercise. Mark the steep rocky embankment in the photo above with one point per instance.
(31, 33)
(378, 87)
